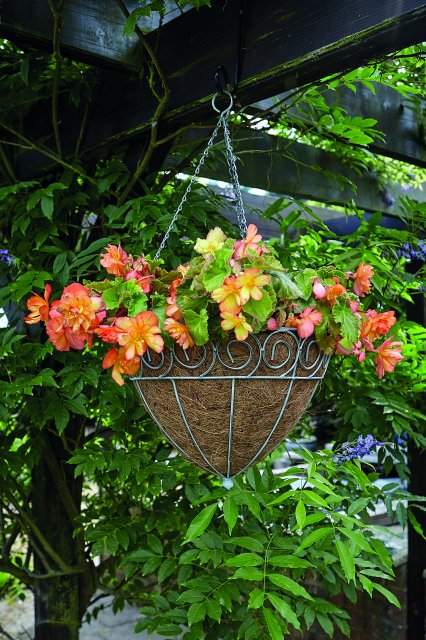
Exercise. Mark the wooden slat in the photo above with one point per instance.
(266, 162)
(395, 115)
(286, 44)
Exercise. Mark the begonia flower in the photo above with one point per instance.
(362, 284)
(305, 323)
(251, 241)
(250, 282)
(108, 333)
(334, 291)
(115, 260)
(377, 324)
(144, 282)
(139, 333)
(120, 364)
(388, 356)
(272, 324)
(238, 323)
(179, 332)
(38, 306)
(214, 240)
(229, 296)
(318, 289)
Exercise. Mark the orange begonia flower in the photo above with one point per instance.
(306, 322)
(108, 333)
(139, 333)
(39, 307)
(179, 332)
(115, 260)
(229, 297)
(61, 336)
(238, 323)
(79, 309)
(171, 299)
(388, 356)
(144, 282)
(250, 283)
(120, 364)
(362, 283)
(377, 324)
(333, 291)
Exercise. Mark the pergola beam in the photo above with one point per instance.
(285, 44)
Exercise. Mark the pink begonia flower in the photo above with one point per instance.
(306, 322)
(251, 241)
(272, 324)
(318, 289)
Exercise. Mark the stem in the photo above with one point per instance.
(56, 12)
(162, 102)
(7, 165)
(82, 130)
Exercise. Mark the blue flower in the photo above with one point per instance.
(353, 450)
(5, 256)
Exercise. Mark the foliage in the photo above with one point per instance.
(198, 561)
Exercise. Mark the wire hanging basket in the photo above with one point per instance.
(225, 406)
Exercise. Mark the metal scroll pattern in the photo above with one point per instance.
(281, 356)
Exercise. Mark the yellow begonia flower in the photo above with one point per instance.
(214, 240)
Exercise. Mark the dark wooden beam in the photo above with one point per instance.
(266, 162)
(397, 117)
(285, 45)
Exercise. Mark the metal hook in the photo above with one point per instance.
(221, 80)
(224, 112)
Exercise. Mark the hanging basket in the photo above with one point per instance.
(224, 407)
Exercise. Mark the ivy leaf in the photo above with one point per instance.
(197, 324)
(200, 523)
(218, 269)
(259, 309)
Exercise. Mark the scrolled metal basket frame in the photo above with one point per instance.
(208, 355)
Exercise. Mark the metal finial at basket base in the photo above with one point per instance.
(227, 483)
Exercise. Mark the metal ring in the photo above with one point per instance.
(228, 108)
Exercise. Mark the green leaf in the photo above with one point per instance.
(248, 573)
(166, 569)
(289, 585)
(218, 270)
(214, 610)
(61, 416)
(289, 562)
(313, 537)
(245, 560)
(272, 623)
(358, 538)
(284, 610)
(326, 623)
(357, 506)
(346, 560)
(348, 321)
(259, 309)
(196, 612)
(247, 543)
(387, 594)
(284, 286)
(155, 544)
(111, 298)
(197, 324)
(47, 206)
(200, 523)
(256, 599)
(300, 514)
(230, 513)
(137, 304)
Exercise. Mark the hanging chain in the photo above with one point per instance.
(231, 160)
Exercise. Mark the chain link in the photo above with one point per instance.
(231, 160)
